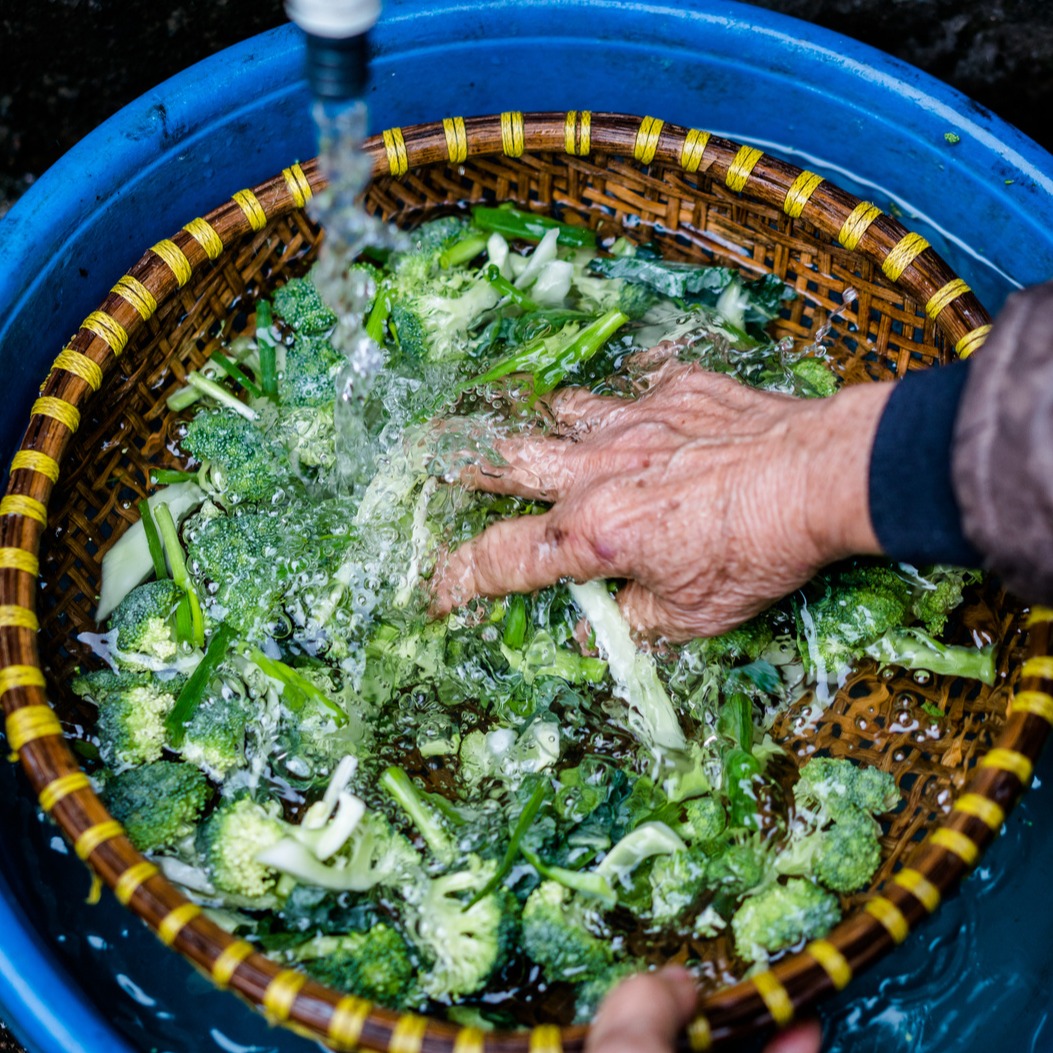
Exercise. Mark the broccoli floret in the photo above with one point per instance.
(814, 378)
(132, 711)
(743, 863)
(939, 590)
(214, 737)
(242, 463)
(309, 378)
(848, 853)
(834, 785)
(308, 433)
(745, 643)
(232, 838)
(914, 648)
(593, 991)
(432, 323)
(783, 915)
(556, 938)
(375, 965)
(300, 305)
(677, 880)
(704, 820)
(143, 621)
(158, 804)
(435, 235)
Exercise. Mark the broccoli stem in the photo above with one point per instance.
(515, 622)
(741, 772)
(915, 649)
(297, 688)
(267, 351)
(167, 476)
(735, 721)
(463, 251)
(401, 789)
(183, 399)
(190, 623)
(153, 541)
(219, 394)
(503, 287)
(588, 883)
(377, 321)
(514, 223)
(235, 372)
(189, 698)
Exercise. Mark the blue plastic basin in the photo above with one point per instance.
(80, 979)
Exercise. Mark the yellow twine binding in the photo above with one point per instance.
(695, 143)
(469, 1040)
(647, 136)
(1038, 615)
(205, 235)
(62, 787)
(29, 724)
(281, 994)
(1037, 703)
(958, 844)
(902, 255)
(743, 164)
(79, 365)
(456, 139)
(19, 559)
(346, 1024)
(395, 145)
(699, 1034)
(23, 505)
(35, 461)
(800, 191)
(577, 132)
(21, 676)
(299, 187)
(990, 814)
(834, 963)
(57, 409)
(1011, 761)
(857, 224)
(919, 886)
(972, 341)
(132, 291)
(249, 203)
(1040, 666)
(107, 329)
(890, 916)
(775, 997)
(90, 839)
(546, 1038)
(408, 1034)
(175, 259)
(131, 879)
(173, 923)
(513, 137)
(945, 296)
(15, 617)
(228, 960)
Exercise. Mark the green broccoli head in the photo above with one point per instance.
(158, 803)
(433, 323)
(780, 916)
(214, 737)
(300, 305)
(243, 464)
(939, 591)
(704, 820)
(308, 434)
(741, 864)
(143, 621)
(556, 938)
(813, 378)
(376, 965)
(677, 880)
(231, 839)
(635, 299)
(834, 786)
(309, 377)
(745, 643)
(849, 852)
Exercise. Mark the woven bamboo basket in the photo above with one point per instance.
(101, 423)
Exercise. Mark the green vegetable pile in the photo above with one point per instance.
(496, 815)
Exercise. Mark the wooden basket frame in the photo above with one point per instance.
(287, 996)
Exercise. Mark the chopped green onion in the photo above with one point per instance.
(153, 541)
(267, 351)
(193, 691)
(514, 223)
(236, 373)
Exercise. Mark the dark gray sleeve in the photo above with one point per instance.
(1002, 454)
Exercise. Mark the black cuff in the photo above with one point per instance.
(913, 507)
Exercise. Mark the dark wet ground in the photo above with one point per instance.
(67, 65)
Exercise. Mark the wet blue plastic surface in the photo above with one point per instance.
(872, 123)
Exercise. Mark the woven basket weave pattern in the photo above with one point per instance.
(698, 197)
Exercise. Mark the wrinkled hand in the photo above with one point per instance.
(646, 1013)
(711, 498)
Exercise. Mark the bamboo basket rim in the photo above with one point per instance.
(773, 996)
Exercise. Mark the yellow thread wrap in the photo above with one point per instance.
(79, 365)
(95, 892)
(395, 145)
(801, 189)
(249, 203)
(34, 461)
(513, 136)
(945, 296)
(647, 136)
(30, 723)
(972, 341)
(902, 255)
(172, 924)
(281, 993)
(775, 997)
(890, 916)
(955, 842)
(108, 328)
(96, 835)
(919, 886)
(57, 409)
(695, 143)
(299, 187)
(700, 1034)
(21, 676)
(1038, 615)
(408, 1035)
(23, 505)
(138, 295)
(1037, 703)
(1040, 666)
(990, 814)
(1011, 761)
(205, 235)
(859, 220)
(19, 559)
(741, 167)
(62, 787)
(456, 139)
(14, 617)
(347, 1021)
(834, 963)
(131, 879)
(176, 260)
(546, 1038)
(226, 964)
(577, 132)
(469, 1040)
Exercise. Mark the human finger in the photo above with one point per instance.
(538, 467)
(644, 1014)
(578, 409)
(803, 1037)
(650, 616)
(514, 555)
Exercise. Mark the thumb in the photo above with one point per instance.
(644, 1014)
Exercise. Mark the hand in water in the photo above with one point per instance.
(646, 1013)
(712, 499)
